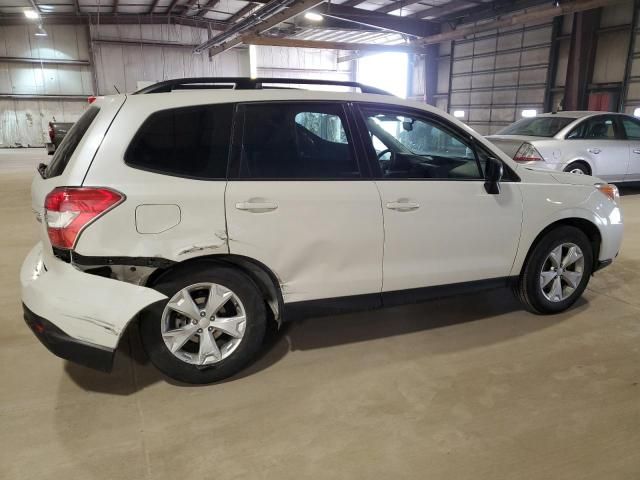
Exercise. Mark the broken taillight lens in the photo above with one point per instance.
(68, 210)
(527, 153)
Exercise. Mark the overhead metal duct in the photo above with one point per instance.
(269, 9)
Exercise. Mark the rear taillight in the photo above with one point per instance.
(69, 210)
(527, 153)
(52, 132)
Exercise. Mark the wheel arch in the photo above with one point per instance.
(580, 161)
(264, 278)
(589, 228)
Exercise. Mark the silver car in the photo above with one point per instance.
(606, 145)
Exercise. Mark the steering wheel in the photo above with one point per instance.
(384, 152)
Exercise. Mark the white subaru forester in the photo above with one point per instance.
(204, 208)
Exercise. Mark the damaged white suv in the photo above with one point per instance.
(200, 213)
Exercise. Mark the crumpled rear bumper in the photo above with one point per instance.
(72, 311)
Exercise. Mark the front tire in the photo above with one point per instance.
(210, 327)
(556, 272)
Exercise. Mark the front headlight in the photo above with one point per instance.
(609, 190)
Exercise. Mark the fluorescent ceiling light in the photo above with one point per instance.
(458, 113)
(40, 32)
(313, 17)
(32, 14)
(529, 113)
(636, 112)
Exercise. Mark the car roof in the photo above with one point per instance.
(179, 98)
(577, 114)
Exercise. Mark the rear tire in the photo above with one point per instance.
(206, 351)
(579, 168)
(556, 272)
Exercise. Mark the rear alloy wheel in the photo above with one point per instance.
(211, 325)
(557, 271)
(203, 323)
(578, 169)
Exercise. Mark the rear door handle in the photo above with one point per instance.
(256, 207)
(594, 150)
(403, 205)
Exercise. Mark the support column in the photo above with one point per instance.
(582, 55)
(431, 73)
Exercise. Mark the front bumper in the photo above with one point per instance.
(72, 311)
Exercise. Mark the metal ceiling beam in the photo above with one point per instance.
(241, 13)
(113, 19)
(352, 3)
(489, 10)
(115, 6)
(172, 5)
(535, 14)
(187, 6)
(152, 7)
(206, 7)
(299, 43)
(447, 9)
(394, 23)
(295, 8)
(35, 6)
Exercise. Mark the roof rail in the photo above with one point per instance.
(246, 83)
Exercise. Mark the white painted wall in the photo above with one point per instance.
(24, 122)
(123, 66)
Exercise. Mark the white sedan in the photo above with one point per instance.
(606, 145)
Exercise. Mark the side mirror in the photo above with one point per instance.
(492, 175)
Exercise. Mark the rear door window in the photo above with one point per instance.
(631, 128)
(69, 143)
(296, 141)
(190, 142)
(602, 127)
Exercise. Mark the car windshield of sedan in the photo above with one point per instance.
(537, 127)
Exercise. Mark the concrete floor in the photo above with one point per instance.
(471, 388)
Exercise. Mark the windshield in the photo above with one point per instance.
(537, 127)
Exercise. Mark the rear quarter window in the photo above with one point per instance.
(190, 142)
(71, 140)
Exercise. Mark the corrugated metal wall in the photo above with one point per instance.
(123, 66)
(497, 74)
(282, 62)
(24, 121)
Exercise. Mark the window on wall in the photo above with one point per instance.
(296, 141)
(408, 146)
(191, 142)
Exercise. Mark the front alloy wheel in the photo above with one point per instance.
(562, 272)
(556, 271)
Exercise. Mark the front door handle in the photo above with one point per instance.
(594, 150)
(636, 150)
(256, 206)
(403, 205)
